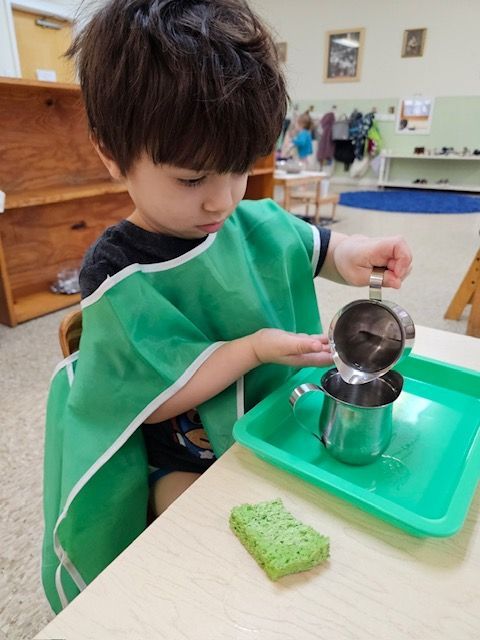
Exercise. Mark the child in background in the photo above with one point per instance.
(198, 305)
(302, 139)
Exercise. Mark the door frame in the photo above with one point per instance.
(44, 8)
(9, 58)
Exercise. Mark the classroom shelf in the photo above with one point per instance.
(61, 193)
(458, 179)
(37, 304)
(431, 185)
(59, 196)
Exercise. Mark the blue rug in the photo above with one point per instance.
(411, 201)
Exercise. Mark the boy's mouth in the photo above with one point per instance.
(211, 228)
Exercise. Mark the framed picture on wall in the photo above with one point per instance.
(343, 55)
(413, 43)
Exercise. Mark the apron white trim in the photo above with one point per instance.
(59, 587)
(65, 363)
(66, 563)
(316, 248)
(146, 268)
(119, 442)
(70, 373)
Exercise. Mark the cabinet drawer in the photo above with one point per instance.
(39, 241)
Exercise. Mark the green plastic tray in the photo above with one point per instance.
(425, 480)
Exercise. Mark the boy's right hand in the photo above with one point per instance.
(291, 349)
(235, 358)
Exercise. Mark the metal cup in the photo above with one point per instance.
(355, 423)
(368, 337)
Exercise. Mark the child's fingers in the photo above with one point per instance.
(391, 280)
(302, 350)
(400, 267)
(301, 343)
(307, 345)
(321, 359)
(319, 346)
(321, 337)
(401, 260)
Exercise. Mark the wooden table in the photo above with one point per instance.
(188, 577)
(290, 181)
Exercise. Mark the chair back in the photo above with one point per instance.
(69, 332)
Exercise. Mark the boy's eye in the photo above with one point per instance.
(192, 182)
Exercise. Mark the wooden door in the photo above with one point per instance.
(42, 47)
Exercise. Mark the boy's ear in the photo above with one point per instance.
(112, 166)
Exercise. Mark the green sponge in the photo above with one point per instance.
(278, 542)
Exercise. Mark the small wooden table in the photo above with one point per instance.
(187, 577)
(289, 181)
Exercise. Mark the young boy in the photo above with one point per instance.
(198, 305)
(302, 139)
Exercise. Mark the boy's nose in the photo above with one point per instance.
(220, 197)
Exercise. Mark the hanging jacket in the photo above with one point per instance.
(326, 147)
(146, 331)
(359, 127)
(344, 152)
(355, 128)
(374, 141)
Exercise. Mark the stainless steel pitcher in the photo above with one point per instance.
(355, 422)
(368, 337)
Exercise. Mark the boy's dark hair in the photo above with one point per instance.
(193, 83)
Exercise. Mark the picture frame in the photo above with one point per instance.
(282, 51)
(413, 44)
(343, 55)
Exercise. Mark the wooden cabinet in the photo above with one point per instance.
(59, 196)
(260, 182)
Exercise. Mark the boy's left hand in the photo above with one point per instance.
(355, 256)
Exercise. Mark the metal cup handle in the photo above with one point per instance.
(305, 408)
(376, 283)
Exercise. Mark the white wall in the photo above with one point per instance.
(450, 65)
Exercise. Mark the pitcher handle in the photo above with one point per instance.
(305, 411)
(376, 283)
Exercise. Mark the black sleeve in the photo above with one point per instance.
(92, 275)
(324, 242)
(102, 260)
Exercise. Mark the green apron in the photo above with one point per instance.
(146, 330)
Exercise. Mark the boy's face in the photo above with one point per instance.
(181, 202)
